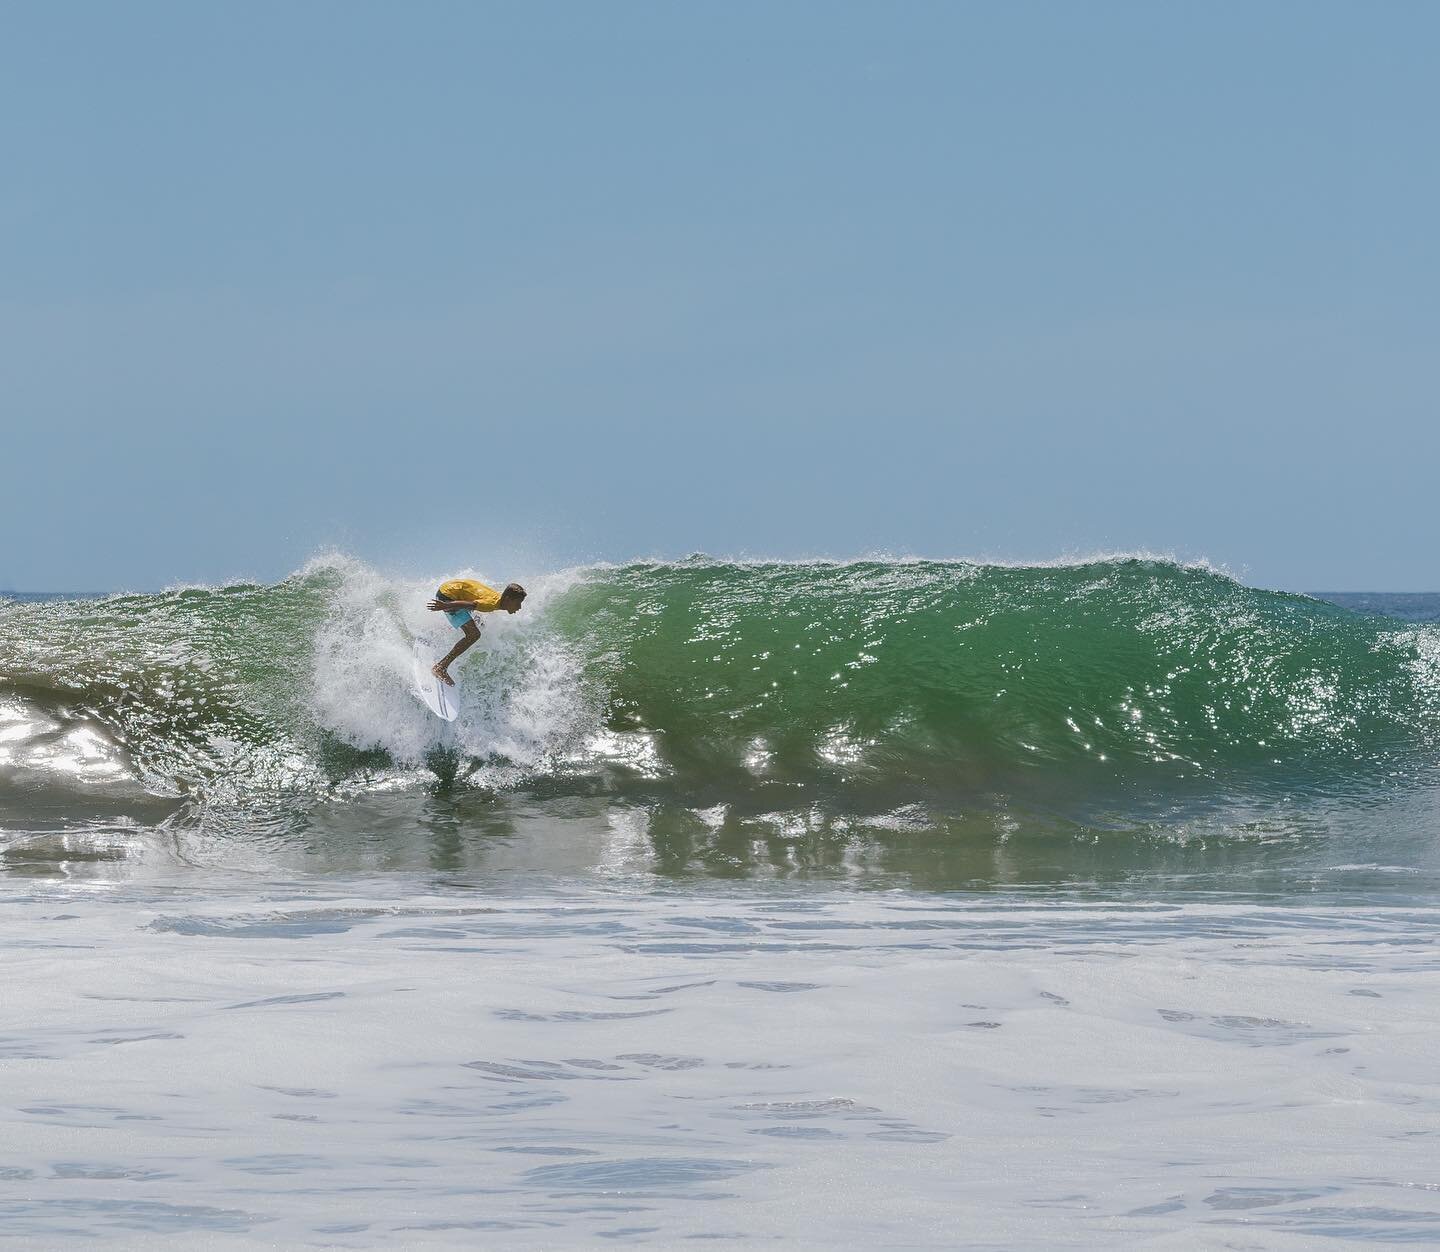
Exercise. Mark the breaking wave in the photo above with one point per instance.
(1099, 692)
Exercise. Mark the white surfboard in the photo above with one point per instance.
(440, 698)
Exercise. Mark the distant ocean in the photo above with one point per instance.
(898, 904)
(1413, 606)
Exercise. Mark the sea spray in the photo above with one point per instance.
(522, 695)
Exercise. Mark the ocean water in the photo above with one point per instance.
(882, 904)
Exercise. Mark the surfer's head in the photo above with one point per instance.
(512, 598)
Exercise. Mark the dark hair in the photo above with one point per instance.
(514, 591)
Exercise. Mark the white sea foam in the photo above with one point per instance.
(384, 1063)
(522, 696)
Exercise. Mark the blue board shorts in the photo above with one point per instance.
(459, 617)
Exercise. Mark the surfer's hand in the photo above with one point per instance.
(437, 606)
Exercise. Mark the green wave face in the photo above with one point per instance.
(1103, 694)
(1087, 685)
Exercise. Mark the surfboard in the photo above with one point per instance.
(440, 698)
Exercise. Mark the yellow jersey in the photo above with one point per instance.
(486, 599)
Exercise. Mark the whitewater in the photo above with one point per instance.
(868, 903)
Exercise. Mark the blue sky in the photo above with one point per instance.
(517, 285)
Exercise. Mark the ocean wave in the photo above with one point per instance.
(1099, 689)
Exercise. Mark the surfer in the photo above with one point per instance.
(458, 599)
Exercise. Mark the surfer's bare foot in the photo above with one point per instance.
(438, 669)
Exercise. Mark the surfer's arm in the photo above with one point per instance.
(452, 606)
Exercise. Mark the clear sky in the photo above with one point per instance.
(522, 284)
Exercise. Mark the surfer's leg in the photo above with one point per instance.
(469, 637)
